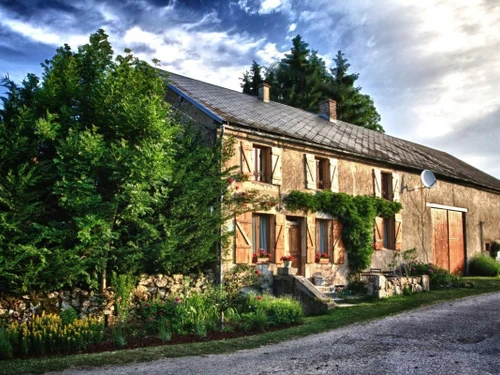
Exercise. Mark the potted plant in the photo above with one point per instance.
(287, 260)
(322, 258)
(262, 256)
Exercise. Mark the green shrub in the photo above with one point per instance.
(118, 336)
(483, 265)
(256, 320)
(5, 345)
(196, 313)
(68, 316)
(123, 286)
(438, 277)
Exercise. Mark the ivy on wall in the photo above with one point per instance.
(357, 214)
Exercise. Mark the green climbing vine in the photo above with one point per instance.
(357, 214)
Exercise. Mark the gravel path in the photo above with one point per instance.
(460, 337)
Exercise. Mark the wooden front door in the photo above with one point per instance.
(294, 244)
(448, 240)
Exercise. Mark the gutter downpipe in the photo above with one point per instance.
(221, 227)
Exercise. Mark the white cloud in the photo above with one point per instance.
(43, 34)
(292, 27)
(269, 54)
(268, 6)
(206, 55)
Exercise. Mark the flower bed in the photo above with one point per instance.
(187, 318)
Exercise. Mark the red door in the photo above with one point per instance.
(448, 240)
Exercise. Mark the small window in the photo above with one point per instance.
(387, 192)
(390, 233)
(262, 163)
(322, 174)
(323, 237)
(261, 233)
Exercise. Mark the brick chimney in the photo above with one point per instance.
(264, 92)
(328, 109)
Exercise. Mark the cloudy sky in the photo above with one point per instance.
(431, 66)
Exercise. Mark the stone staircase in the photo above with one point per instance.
(329, 292)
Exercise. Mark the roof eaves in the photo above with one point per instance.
(197, 104)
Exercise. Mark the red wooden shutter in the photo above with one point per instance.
(338, 244)
(311, 239)
(398, 232)
(279, 242)
(243, 238)
(379, 233)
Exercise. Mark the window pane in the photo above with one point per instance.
(264, 233)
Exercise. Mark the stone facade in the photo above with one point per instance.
(355, 176)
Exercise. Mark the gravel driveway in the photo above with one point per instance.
(460, 337)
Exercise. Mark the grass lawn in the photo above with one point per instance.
(363, 310)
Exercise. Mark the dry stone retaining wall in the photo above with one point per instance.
(381, 286)
(89, 303)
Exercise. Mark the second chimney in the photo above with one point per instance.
(328, 109)
(264, 92)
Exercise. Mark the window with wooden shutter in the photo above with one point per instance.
(262, 233)
(310, 169)
(379, 233)
(338, 243)
(262, 167)
(377, 183)
(322, 174)
(279, 242)
(390, 233)
(399, 232)
(311, 239)
(386, 179)
(276, 166)
(334, 175)
(323, 237)
(243, 238)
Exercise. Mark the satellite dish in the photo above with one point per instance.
(428, 179)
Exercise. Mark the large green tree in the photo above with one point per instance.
(352, 106)
(96, 175)
(301, 79)
(251, 80)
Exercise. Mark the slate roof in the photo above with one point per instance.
(240, 109)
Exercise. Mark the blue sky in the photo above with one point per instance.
(431, 66)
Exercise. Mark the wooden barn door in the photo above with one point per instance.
(448, 240)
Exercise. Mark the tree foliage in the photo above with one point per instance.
(302, 79)
(97, 175)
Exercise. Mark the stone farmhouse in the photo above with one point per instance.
(283, 149)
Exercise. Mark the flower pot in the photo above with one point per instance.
(262, 260)
(324, 260)
(287, 263)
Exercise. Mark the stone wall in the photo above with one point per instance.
(89, 303)
(381, 286)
